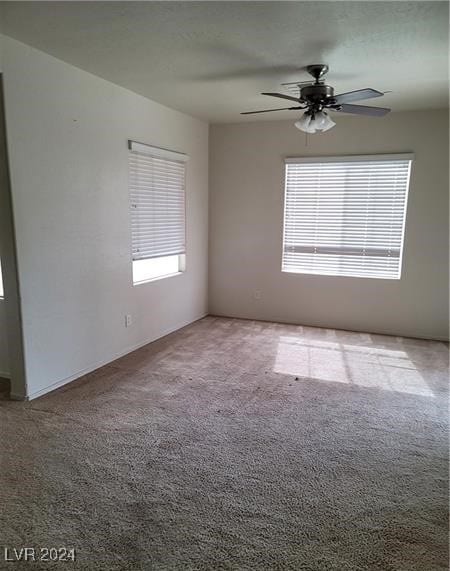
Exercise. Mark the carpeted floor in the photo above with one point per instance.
(237, 445)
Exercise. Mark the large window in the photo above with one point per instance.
(345, 216)
(157, 202)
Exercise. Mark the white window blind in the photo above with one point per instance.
(345, 216)
(157, 201)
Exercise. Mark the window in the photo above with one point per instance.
(345, 216)
(157, 203)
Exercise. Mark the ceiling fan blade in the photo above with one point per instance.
(296, 99)
(357, 95)
(363, 110)
(299, 82)
(269, 110)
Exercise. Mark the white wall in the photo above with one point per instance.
(246, 219)
(67, 140)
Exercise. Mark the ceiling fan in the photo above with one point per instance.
(316, 97)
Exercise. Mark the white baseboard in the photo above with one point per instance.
(102, 363)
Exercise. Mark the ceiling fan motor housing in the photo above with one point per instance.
(317, 94)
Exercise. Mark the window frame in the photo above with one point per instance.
(169, 155)
(406, 156)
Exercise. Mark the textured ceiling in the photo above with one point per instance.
(212, 59)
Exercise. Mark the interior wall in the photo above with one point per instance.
(4, 359)
(67, 140)
(246, 221)
(11, 339)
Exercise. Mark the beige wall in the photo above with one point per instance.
(67, 141)
(246, 222)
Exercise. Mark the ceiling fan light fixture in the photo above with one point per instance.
(323, 121)
(310, 123)
(304, 123)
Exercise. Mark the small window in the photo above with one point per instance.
(157, 203)
(345, 216)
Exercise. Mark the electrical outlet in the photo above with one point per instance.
(257, 294)
(128, 320)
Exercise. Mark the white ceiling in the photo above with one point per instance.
(212, 59)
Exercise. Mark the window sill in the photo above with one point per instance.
(158, 278)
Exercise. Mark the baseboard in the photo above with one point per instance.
(389, 334)
(93, 367)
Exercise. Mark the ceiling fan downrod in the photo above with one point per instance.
(317, 70)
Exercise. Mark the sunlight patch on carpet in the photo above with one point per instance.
(376, 367)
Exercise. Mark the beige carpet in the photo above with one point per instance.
(237, 445)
